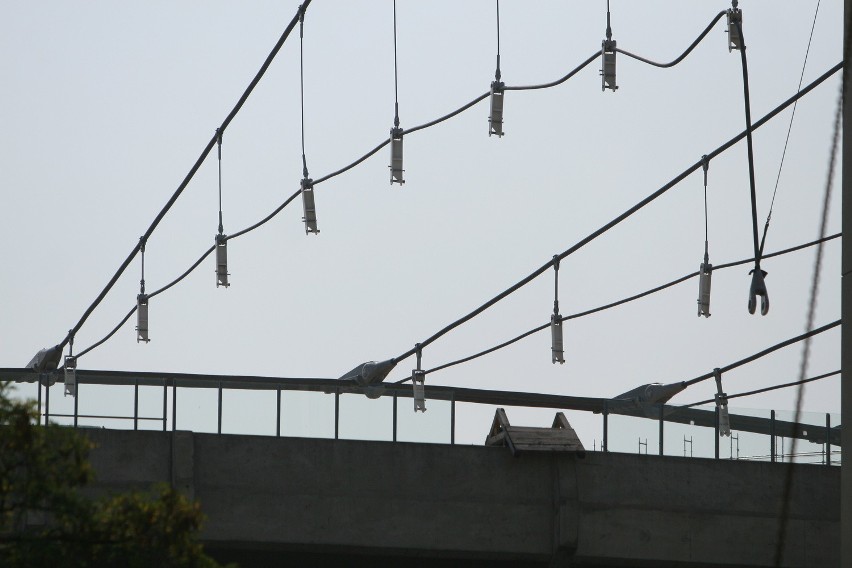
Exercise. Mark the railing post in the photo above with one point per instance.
(716, 429)
(39, 401)
(219, 417)
(662, 421)
(453, 419)
(772, 436)
(336, 413)
(605, 427)
(165, 404)
(135, 404)
(827, 438)
(278, 412)
(76, 400)
(394, 417)
(174, 405)
(47, 404)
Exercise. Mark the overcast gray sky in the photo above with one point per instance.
(109, 104)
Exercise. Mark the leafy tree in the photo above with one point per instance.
(45, 520)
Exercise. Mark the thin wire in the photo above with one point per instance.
(395, 74)
(789, 129)
(749, 146)
(683, 55)
(497, 73)
(302, 85)
(621, 302)
(806, 348)
(623, 216)
(766, 389)
(705, 166)
(142, 280)
(276, 48)
(219, 153)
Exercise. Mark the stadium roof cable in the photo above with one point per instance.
(789, 129)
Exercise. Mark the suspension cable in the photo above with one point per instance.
(789, 129)
(622, 302)
(683, 55)
(302, 84)
(766, 389)
(497, 72)
(267, 62)
(395, 74)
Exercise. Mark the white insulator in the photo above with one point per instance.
(557, 354)
(608, 64)
(70, 375)
(418, 380)
(396, 156)
(142, 318)
(705, 273)
(221, 261)
(495, 121)
(309, 207)
(734, 39)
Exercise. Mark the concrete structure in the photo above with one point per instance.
(274, 500)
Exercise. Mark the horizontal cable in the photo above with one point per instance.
(763, 353)
(532, 276)
(108, 335)
(682, 55)
(620, 302)
(766, 389)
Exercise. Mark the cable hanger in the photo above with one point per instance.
(705, 271)
(396, 170)
(556, 347)
(608, 57)
(307, 185)
(495, 120)
(221, 239)
(736, 41)
(142, 300)
(789, 129)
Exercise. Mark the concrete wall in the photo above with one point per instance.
(293, 495)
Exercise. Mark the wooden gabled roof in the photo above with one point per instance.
(560, 437)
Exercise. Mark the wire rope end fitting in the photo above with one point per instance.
(495, 120)
(758, 288)
(142, 318)
(396, 169)
(309, 206)
(556, 347)
(608, 65)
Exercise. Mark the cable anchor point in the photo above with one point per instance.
(735, 19)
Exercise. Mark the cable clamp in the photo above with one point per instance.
(495, 120)
(396, 168)
(722, 405)
(309, 206)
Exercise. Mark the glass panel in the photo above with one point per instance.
(362, 418)
(306, 414)
(430, 427)
(247, 412)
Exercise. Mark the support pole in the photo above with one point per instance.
(662, 422)
(219, 417)
(336, 414)
(772, 436)
(453, 419)
(135, 404)
(846, 309)
(278, 412)
(394, 417)
(606, 427)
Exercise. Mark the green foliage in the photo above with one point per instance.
(45, 520)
